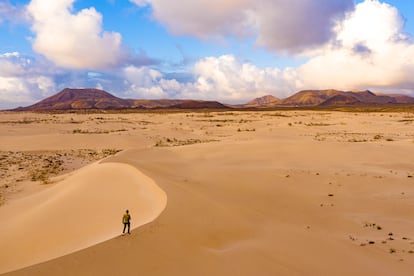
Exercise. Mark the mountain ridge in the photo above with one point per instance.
(91, 98)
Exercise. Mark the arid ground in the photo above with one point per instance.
(210, 193)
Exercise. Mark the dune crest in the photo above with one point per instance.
(81, 211)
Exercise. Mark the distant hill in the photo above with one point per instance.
(192, 104)
(399, 98)
(332, 98)
(267, 100)
(68, 99)
(81, 99)
(341, 100)
(161, 103)
(358, 98)
(403, 99)
(309, 97)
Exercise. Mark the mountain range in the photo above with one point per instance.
(331, 98)
(80, 99)
(89, 98)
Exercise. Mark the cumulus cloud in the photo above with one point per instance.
(22, 80)
(73, 40)
(371, 51)
(201, 18)
(282, 25)
(222, 78)
(144, 82)
(367, 48)
(298, 25)
(227, 78)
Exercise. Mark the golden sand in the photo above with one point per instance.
(248, 193)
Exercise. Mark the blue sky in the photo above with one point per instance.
(231, 51)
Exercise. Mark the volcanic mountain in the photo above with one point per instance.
(399, 98)
(331, 98)
(309, 97)
(79, 99)
(267, 100)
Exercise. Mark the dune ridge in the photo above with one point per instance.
(87, 208)
(268, 193)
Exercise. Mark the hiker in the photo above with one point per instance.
(126, 221)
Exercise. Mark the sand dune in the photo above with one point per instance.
(259, 193)
(234, 212)
(81, 211)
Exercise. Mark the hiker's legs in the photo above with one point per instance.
(129, 226)
(125, 224)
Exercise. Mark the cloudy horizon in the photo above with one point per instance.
(230, 51)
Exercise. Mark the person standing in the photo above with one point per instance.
(126, 220)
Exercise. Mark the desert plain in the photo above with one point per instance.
(210, 193)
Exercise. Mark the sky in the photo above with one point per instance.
(226, 50)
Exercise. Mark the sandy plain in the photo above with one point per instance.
(211, 193)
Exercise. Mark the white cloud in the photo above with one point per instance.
(21, 81)
(8, 67)
(281, 25)
(371, 51)
(16, 91)
(348, 46)
(372, 23)
(228, 79)
(368, 51)
(201, 18)
(221, 78)
(143, 82)
(73, 40)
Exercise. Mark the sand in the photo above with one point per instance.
(80, 211)
(248, 193)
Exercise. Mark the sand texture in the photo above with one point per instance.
(83, 210)
(247, 193)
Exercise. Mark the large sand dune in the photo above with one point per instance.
(266, 193)
(81, 211)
